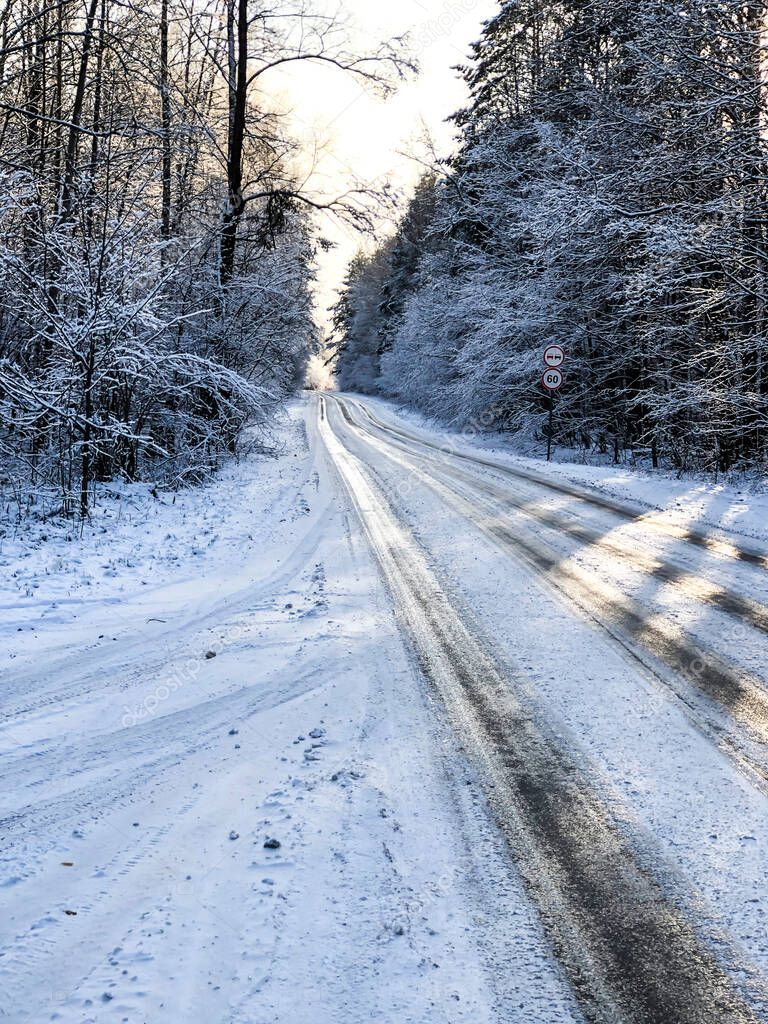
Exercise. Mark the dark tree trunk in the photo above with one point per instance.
(165, 124)
(238, 96)
(70, 161)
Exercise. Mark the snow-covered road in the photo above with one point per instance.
(609, 668)
(507, 732)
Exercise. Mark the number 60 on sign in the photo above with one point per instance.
(552, 380)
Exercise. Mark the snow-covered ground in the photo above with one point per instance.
(142, 778)
(231, 795)
(695, 498)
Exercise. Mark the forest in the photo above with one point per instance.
(609, 195)
(156, 241)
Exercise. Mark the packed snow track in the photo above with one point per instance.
(636, 946)
(391, 727)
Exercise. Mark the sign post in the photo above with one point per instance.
(552, 380)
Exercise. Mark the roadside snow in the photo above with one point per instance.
(225, 794)
(736, 508)
(54, 576)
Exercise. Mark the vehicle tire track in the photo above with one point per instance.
(690, 583)
(631, 955)
(743, 698)
(698, 538)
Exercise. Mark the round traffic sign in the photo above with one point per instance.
(554, 356)
(552, 380)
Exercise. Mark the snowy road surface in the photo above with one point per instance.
(502, 733)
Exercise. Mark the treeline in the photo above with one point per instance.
(610, 194)
(156, 252)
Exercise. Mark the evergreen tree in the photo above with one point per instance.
(609, 195)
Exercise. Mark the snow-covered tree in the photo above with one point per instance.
(609, 194)
(155, 238)
(358, 321)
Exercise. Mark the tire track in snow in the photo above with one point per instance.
(30, 834)
(60, 678)
(631, 955)
(667, 571)
(721, 548)
(679, 661)
(131, 763)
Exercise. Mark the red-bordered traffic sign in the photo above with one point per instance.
(552, 379)
(554, 356)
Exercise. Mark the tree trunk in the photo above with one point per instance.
(238, 95)
(70, 161)
(165, 124)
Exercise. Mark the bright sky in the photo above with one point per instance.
(362, 137)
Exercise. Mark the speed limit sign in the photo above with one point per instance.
(552, 380)
(554, 356)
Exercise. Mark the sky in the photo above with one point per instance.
(351, 135)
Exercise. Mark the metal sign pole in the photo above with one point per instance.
(554, 357)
